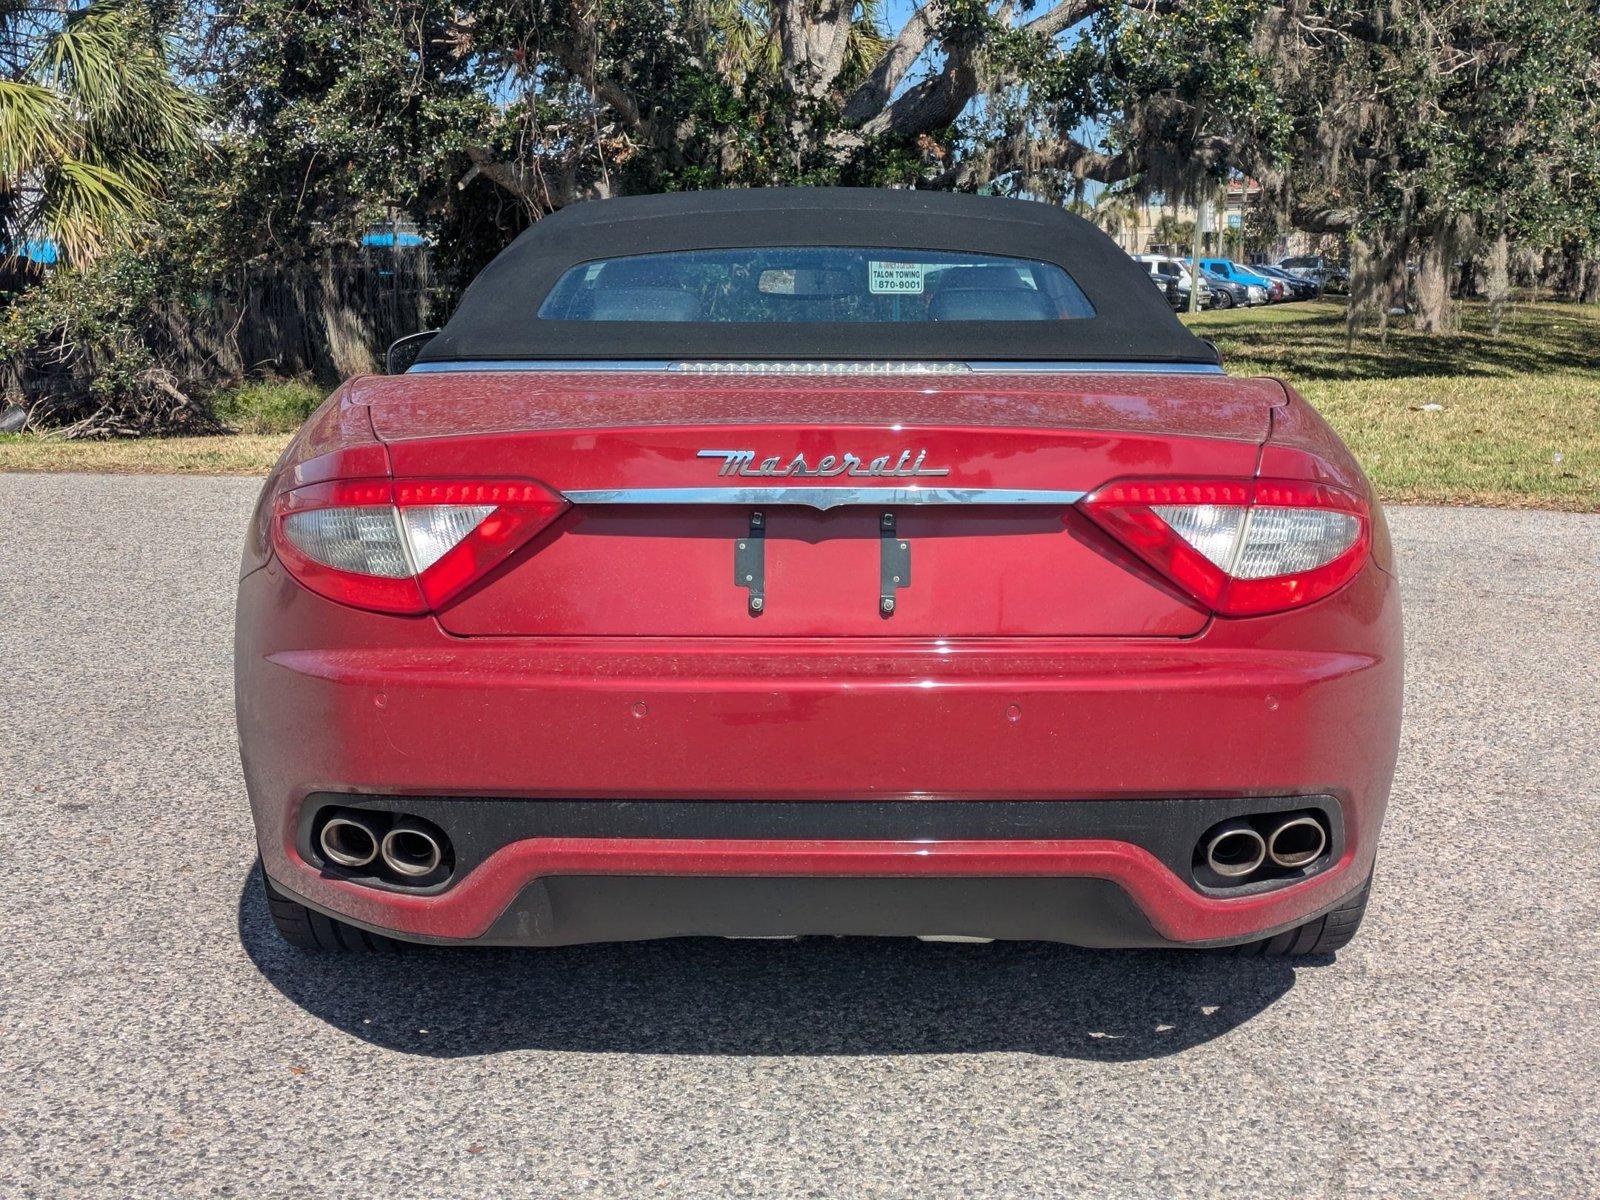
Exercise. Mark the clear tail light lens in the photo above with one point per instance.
(433, 530)
(362, 541)
(1241, 547)
(407, 546)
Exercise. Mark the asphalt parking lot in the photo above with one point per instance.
(157, 1040)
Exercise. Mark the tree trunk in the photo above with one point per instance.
(1576, 275)
(1201, 220)
(1498, 270)
(1589, 291)
(1363, 288)
(1377, 281)
(1433, 313)
(1396, 285)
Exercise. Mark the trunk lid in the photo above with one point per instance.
(668, 567)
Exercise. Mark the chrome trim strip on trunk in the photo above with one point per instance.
(1095, 368)
(823, 497)
(977, 368)
(563, 365)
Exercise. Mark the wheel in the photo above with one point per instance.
(1330, 932)
(306, 929)
(1224, 300)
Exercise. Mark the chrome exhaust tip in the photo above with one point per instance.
(1234, 849)
(412, 851)
(348, 842)
(1296, 842)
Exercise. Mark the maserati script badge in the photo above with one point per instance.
(743, 462)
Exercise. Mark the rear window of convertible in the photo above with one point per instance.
(817, 284)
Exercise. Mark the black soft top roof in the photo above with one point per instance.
(497, 317)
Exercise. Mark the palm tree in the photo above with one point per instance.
(89, 114)
(742, 37)
(1173, 232)
(1116, 210)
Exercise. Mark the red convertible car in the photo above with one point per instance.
(775, 563)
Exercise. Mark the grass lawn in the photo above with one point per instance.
(232, 454)
(1518, 416)
(1517, 422)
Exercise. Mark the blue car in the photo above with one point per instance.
(1269, 289)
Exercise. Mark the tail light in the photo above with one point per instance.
(405, 546)
(1241, 547)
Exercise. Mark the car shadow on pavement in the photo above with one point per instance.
(816, 996)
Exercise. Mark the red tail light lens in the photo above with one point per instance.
(1241, 547)
(406, 546)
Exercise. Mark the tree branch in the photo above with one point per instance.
(1062, 17)
(578, 57)
(544, 186)
(875, 90)
(931, 104)
(1064, 154)
(613, 94)
(1322, 220)
(938, 100)
(510, 176)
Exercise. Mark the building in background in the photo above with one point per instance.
(1158, 225)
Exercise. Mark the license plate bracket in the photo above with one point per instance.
(894, 564)
(750, 563)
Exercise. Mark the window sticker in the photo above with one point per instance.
(894, 278)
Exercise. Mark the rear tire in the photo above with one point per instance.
(306, 929)
(1330, 932)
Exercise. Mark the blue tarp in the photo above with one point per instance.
(40, 250)
(389, 239)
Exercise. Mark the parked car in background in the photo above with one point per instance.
(1307, 266)
(1228, 293)
(1163, 267)
(1328, 276)
(1258, 289)
(1176, 295)
(1337, 279)
(1299, 288)
(1272, 289)
(1169, 291)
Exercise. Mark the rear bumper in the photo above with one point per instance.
(562, 910)
(1303, 704)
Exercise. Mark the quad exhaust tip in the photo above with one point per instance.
(348, 842)
(1296, 842)
(1235, 849)
(411, 851)
(1269, 843)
